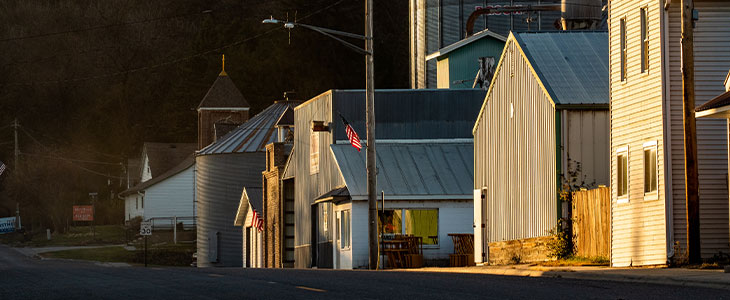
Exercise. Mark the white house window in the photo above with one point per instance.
(644, 40)
(416, 222)
(622, 31)
(345, 229)
(136, 202)
(622, 171)
(650, 169)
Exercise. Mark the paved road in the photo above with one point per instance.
(23, 278)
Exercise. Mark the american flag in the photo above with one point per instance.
(351, 134)
(2, 168)
(257, 221)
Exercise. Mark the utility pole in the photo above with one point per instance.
(370, 121)
(17, 150)
(691, 181)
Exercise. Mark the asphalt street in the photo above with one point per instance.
(22, 277)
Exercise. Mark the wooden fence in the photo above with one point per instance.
(591, 213)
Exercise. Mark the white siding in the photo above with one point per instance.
(712, 60)
(172, 197)
(133, 207)
(638, 227)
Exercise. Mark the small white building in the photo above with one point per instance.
(250, 217)
(427, 188)
(167, 189)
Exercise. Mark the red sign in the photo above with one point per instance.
(83, 213)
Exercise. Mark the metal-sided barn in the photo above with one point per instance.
(544, 122)
(420, 133)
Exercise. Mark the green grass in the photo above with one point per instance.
(161, 255)
(76, 236)
(105, 254)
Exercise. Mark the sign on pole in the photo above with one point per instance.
(83, 213)
(7, 225)
(145, 228)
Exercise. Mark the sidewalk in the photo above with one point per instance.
(671, 276)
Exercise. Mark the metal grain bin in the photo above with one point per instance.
(223, 169)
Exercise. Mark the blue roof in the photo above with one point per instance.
(573, 65)
(253, 135)
(418, 171)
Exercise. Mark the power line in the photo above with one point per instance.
(71, 159)
(170, 62)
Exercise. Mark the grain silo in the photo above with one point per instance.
(224, 168)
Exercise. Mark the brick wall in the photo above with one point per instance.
(273, 213)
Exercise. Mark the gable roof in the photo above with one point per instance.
(251, 197)
(572, 65)
(253, 135)
(223, 94)
(478, 36)
(164, 156)
(182, 166)
(418, 171)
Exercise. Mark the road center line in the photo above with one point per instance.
(311, 289)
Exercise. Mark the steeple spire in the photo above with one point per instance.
(223, 67)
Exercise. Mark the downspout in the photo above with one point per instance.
(667, 143)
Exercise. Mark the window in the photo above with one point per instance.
(136, 202)
(313, 153)
(644, 40)
(345, 229)
(325, 219)
(622, 31)
(142, 202)
(622, 180)
(650, 169)
(416, 222)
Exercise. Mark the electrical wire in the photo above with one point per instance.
(170, 62)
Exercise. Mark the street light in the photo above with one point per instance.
(369, 111)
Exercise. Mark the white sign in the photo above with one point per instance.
(145, 228)
(7, 225)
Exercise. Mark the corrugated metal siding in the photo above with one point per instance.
(431, 39)
(411, 114)
(310, 186)
(587, 143)
(639, 226)
(219, 183)
(515, 158)
(712, 60)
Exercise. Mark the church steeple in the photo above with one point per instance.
(223, 66)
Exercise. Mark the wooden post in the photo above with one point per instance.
(370, 121)
(691, 183)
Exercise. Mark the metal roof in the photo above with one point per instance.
(573, 65)
(253, 135)
(418, 171)
(477, 36)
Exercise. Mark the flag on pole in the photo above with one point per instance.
(2, 168)
(257, 221)
(351, 135)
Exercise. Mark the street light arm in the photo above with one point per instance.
(325, 31)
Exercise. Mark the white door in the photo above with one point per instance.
(336, 245)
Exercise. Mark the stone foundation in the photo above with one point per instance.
(519, 251)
